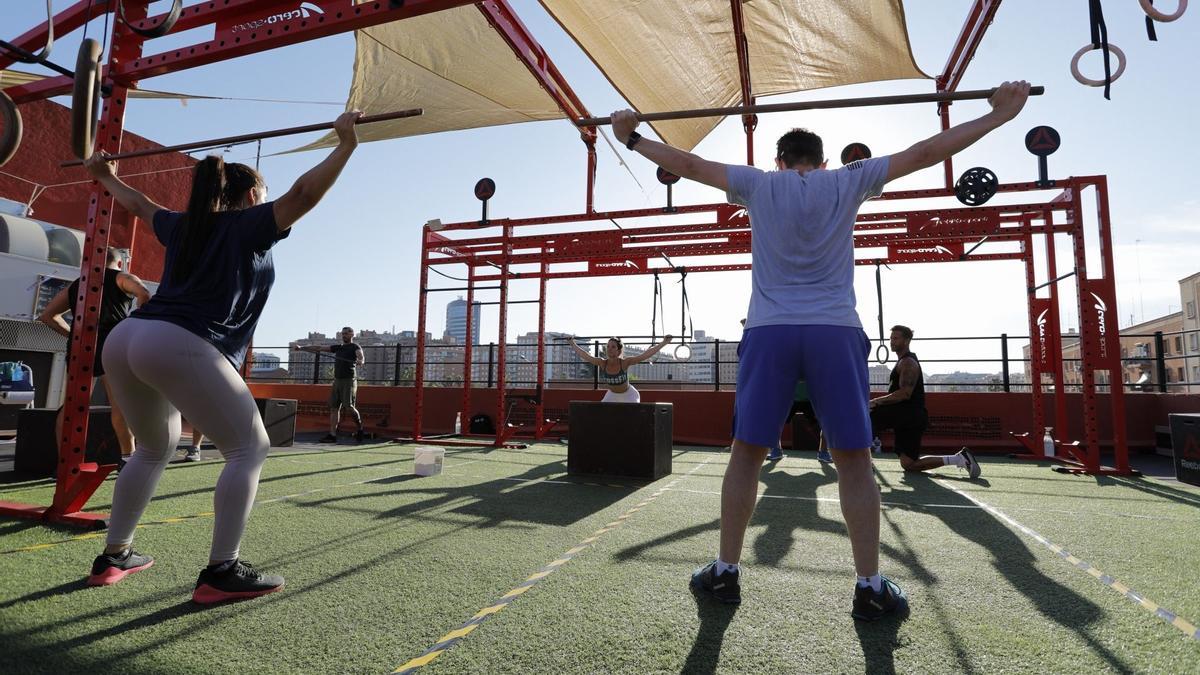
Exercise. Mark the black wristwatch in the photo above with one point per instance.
(634, 137)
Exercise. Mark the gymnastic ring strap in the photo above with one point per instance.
(10, 122)
(157, 31)
(879, 296)
(23, 56)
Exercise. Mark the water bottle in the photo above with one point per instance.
(1048, 442)
(457, 423)
(877, 446)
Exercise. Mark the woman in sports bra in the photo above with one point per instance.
(614, 369)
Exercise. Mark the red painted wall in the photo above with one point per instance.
(982, 421)
(46, 142)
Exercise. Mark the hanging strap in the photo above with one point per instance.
(882, 349)
(685, 309)
(1150, 32)
(1100, 40)
(656, 307)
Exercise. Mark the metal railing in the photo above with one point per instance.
(1151, 366)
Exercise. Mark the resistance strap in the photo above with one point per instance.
(685, 309)
(882, 353)
(1100, 40)
(656, 305)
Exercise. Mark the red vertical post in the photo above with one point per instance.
(1057, 365)
(422, 311)
(501, 356)
(467, 348)
(749, 122)
(1035, 355)
(1107, 291)
(1089, 342)
(948, 165)
(540, 406)
(77, 479)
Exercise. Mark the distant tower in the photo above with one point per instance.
(456, 321)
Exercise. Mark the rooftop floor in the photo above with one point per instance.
(381, 566)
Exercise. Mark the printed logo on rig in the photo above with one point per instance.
(934, 250)
(304, 11)
(615, 264)
(1041, 325)
(1101, 307)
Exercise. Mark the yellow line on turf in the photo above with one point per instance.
(1174, 620)
(453, 637)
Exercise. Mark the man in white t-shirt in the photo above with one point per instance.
(802, 324)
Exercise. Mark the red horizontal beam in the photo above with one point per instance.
(969, 38)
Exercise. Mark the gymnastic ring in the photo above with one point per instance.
(887, 354)
(10, 124)
(1097, 83)
(161, 29)
(85, 99)
(683, 352)
(1163, 17)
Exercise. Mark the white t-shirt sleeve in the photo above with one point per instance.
(864, 179)
(742, 182)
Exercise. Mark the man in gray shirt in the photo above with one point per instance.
(802, 324)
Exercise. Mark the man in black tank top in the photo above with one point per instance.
(903, 410)
(120, 290)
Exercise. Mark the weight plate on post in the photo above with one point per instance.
(1042, 141)
(855, 152)
(666, 177)
(10, 128)
(485, 189)
(976, 186)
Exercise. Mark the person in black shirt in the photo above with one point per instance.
(347, 357)
(180, 352)
(120, 290)
(903, 410)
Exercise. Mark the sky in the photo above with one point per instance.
(355, 259)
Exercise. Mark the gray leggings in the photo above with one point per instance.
(158, 370)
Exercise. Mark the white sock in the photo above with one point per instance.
(875, 582)
(956, 460)
(723, 567)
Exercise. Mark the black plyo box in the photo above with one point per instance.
(279, 417)
(37, 448)
(1185, 445)
(628, 440)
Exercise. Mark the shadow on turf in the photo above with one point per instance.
(1014, 561)
(62, 589)
(705, 654)
(1156, 488)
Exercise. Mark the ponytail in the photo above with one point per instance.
(208, 191)
(239, 179)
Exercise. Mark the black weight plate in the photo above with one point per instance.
(855, 152)
(1042, 141)
(485, 189)
(666, 177)
(976, 186)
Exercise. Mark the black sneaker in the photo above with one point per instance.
(869, 605)
(329, 438)
(723, 587)
(109, 569)
(234, 580)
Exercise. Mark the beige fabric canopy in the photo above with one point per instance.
(680, 54)
(661, 55)
(451, 63)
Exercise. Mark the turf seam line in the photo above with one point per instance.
(1186, 627)
(451, 639)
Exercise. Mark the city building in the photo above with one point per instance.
(456, 321)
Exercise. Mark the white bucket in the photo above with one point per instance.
(429, 461)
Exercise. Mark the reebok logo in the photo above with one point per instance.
(955, 221)
(614, 265)
(1041, 325)
(304, 11)
(1101, 307)
(936, 250)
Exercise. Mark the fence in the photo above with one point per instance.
(1164, 362)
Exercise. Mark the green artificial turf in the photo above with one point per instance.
(380, 565)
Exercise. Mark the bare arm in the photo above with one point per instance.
(644, 356)
(308, 189)
(52, 316)
(678, 162)
(586, 356)
(105, 172)
(909, 373)
(133, 286)
(358, 357)
(1006, 103)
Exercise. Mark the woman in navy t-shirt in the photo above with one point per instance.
(181, 351)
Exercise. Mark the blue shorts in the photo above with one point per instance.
(832, 359)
